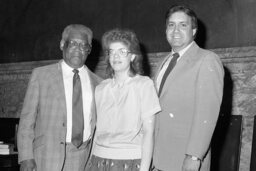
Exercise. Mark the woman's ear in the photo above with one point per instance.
(133, 57)
(194, 32)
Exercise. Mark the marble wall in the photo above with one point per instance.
(239, 91)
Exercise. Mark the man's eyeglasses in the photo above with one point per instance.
(85, 47)
(120, 52)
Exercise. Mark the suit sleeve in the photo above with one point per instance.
(27, 119)
(209, 91)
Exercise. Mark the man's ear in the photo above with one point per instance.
(62, 42)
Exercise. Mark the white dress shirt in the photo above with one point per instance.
(68, 74)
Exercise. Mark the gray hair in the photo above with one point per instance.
(79, 28)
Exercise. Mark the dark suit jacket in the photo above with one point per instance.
(42, 128)
(190, 102)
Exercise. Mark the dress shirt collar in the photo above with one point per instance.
(119, 85)
(181, 53)
(67, 70)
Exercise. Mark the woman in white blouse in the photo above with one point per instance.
(126, 105)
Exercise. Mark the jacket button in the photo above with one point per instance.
(63, 124)
(61, 142)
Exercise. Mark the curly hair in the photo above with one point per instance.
(128, 38)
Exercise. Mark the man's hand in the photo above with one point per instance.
(190, 165)
(28, 165)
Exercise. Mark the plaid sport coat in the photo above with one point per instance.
(42, 127)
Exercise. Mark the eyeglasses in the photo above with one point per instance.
(85, 47)
(120, 52)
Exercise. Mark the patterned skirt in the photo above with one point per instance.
(103, 164)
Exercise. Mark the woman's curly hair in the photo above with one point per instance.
(128, 38)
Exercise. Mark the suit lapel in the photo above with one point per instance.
(186, 58)
(58, 86)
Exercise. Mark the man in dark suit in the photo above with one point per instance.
(190, 97)
(47, 136)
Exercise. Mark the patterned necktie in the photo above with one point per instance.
(77, 111)
(171, 65)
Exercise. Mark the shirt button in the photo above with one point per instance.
(171, 115)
